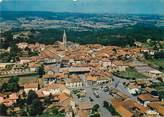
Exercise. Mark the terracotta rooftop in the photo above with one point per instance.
(55, 86)
(118, 63)
(56, 75)
(158, 106)
(85, 106)
(33, 65)
(63, 96)
(74, 76)
(131, 104)
(127, 106)
(91, 78)
(83, 113)
(147, 97)
(123, 111)
(132, 86)
(30, 85)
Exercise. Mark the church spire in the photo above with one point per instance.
(64, 39)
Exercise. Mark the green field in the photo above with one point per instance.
(130, 73)
(156, 63)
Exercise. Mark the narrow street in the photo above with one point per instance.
(103, 97)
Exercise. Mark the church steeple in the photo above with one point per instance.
(64, 39)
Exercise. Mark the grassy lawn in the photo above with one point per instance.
(130, 73)
(156, 63)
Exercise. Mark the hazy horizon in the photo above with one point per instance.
(86, 6)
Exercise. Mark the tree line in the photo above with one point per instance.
(119, 37)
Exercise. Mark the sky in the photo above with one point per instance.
(86, 6)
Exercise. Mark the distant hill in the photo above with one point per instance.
(51, 15)
(12, 15)
(106, 29)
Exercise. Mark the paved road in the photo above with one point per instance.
(103, 97)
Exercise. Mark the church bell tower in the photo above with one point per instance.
(64, 39)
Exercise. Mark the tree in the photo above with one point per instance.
(48, 99)
(31, 96)
(24, 94)
(158, 55)
(112, 110)
(14, 51)
(55, 111)
(146, 55)
(36, 107)
(161, 95)
(105, 104)
(154, 93)
(23, 112)
(41, 71)
(95, 108)
(8, 39)
(161, 68)
(3, 110)
(11, 111)
(21, 102)
(11, 85)
(13, 80)
(5, 57)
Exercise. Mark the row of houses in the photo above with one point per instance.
(146, 105)
(146, 96)
(13, 69)
(61, 96)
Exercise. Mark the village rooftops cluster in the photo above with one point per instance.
(76, 76)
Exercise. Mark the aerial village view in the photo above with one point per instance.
(80, 65)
